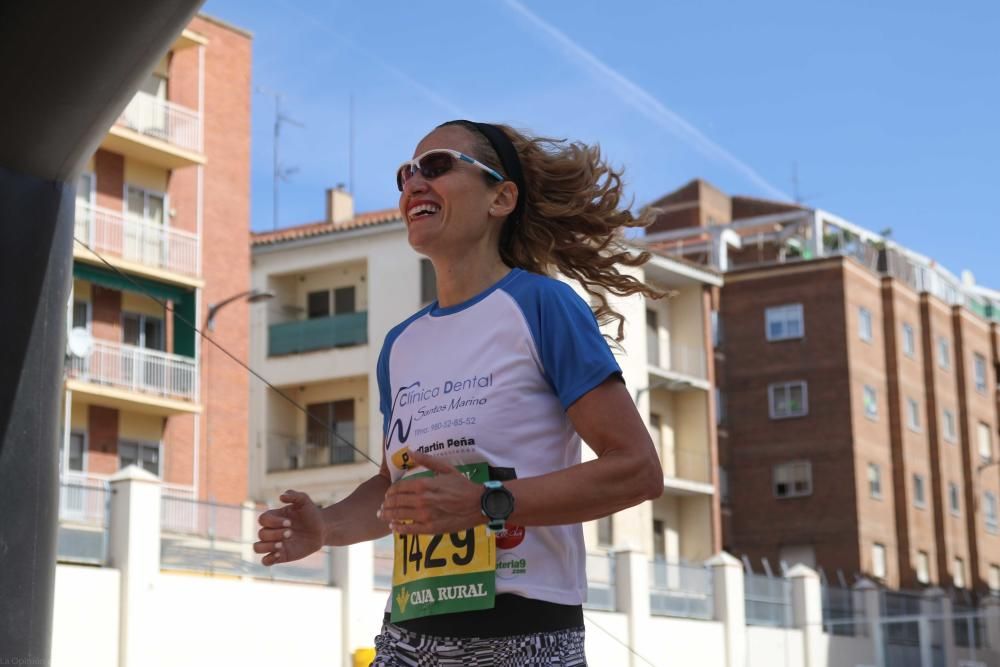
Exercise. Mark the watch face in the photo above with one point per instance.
(498, 504)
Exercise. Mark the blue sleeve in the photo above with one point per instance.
(384, 391)
(574, 355)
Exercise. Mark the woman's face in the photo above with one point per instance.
(458, 200)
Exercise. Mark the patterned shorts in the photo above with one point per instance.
(397, 647)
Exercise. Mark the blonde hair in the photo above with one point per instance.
(572, 218)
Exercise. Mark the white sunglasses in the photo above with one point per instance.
(437, 162)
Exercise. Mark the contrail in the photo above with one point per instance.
(635, 96)
(427, 92)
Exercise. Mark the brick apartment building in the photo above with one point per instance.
(857, 394)
(165, 201)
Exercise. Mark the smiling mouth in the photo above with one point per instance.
(421, 211)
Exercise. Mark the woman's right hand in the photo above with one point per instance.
(291, 532)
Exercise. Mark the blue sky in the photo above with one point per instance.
(888, 111)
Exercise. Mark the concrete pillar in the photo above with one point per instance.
(930, 625)
(871, 601)
(730, 606)
(353, 572)
(807, 613)
(135, 552)
(632, 599)
(990, 607)
(947, 629)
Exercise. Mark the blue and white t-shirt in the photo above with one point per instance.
(489, 380)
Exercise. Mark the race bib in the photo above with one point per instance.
(442, 574)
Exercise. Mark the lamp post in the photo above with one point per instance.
(251, 296)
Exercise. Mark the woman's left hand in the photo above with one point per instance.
(445, 503)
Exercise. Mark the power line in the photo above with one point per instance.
(299, 407)
(229, 354)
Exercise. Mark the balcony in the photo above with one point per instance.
(682, 369)
(139, 246)
(294, 452)
(135, 378)
(158, 132)
(687, 472)
(317, 334)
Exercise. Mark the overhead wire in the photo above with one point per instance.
(167, 307)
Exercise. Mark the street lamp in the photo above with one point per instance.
(251, 296)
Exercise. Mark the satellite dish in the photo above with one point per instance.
(80, 342)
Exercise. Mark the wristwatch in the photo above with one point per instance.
(497, 504)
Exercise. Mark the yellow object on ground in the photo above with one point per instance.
(364, 657)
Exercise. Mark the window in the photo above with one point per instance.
(428, 282)
(948, 420)
(145, 206)
(784, 322)
(979, 372)
(720, 406)
(146, 455)
(909, 341)
(865, 324)
(77, 450)
(958, 572)
(994, 581)
(330, 433)
(323, 303)
(923, 567)
(143, 331)
(788, 399)
(912, 414)
(652, 338)
(985, 439)
(944, 353)
(723, 485)
(990, 511)
(875, 481)
(656, 431)
(659, 539)
(871, 402)
(878, 561)
(792, 480)
(81, 315)
(919, 492)
(953, 504)
(716, 329)
(605, 531)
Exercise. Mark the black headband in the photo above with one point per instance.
(509, 159)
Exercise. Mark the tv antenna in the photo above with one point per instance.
(279, 173)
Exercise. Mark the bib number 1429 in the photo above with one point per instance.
(421, 551)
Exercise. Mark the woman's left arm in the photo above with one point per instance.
(626, 472)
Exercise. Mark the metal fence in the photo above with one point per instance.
(84, 510)
(680, 590)
(600, 581)
(768, 600)
(217, 539)
(383, 556)
(838, 609)
(137, 240)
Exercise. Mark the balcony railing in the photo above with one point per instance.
(137, 240)
(293, 452)
(600, 581)
(164, 120)
(84, 504)
(138, 369)
(318, 334)
(680, 359)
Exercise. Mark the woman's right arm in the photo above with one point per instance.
(301, 527)
(354, 519)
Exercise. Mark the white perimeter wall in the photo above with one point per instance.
(85, 617)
